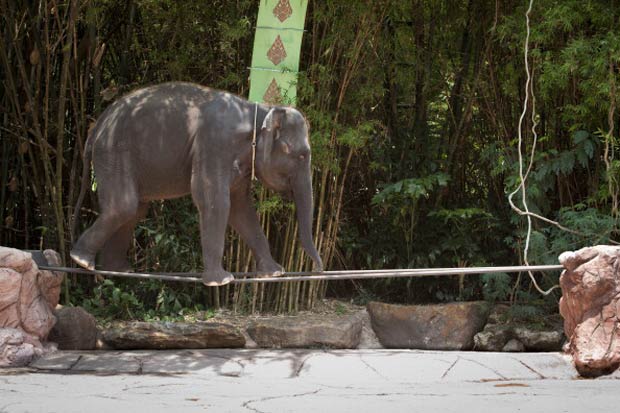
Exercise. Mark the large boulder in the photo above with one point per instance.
(590, 305)
(325, 331)
(28, 297)
(432, 327)
(75, 329)
(168, 335)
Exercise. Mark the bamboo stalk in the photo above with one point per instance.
(254, 298)
(262, 297)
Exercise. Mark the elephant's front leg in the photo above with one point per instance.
(213, 203)
(244, 219)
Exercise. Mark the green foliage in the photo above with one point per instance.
(409, 190)
(272, 204)
(150, 300)
(594, 228)
(171, 235)
(496, 286)
(531, 313)
(340, 309)
(465, 232)
(357, 137)
(110, 301)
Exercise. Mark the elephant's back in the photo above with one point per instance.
(169, 111)
(152, 131)
(161, 104)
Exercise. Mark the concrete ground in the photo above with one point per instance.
(304, 381)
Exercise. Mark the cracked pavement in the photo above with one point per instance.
(303, 381)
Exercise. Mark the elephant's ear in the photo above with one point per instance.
(270, 131)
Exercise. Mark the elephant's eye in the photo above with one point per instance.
(301, 157)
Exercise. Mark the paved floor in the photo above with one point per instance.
(304, 381)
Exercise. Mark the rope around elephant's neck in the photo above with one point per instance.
(254, 143)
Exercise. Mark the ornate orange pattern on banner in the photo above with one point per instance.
(283, 10)
(273, 96)
(276, 52)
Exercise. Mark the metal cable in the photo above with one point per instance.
(253, 277)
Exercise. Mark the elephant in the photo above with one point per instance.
(173, 139)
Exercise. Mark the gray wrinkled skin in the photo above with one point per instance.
(174, 139)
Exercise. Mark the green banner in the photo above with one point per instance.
(277, 46)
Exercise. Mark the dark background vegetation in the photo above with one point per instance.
(413, 106)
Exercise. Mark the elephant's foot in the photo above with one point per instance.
(269, 269)
(216, 278)
(83, 259)
(118, 267)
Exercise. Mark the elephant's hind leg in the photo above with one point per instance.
(114, 253)
(119, 203)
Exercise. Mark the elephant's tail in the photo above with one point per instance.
(88, 154)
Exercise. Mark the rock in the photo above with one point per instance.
(18, 349)
(28, 297)
(590, 305)
(168, 335)
(10, 284)
(497, 334)
(75, 329)
(50, 282)
(368, 338)
(100, 343)
(434, 327)
(498, 314)
(326, 331)
(15, 351)
(513, 346)
(539, 340)
(493, 338)
(249, 343)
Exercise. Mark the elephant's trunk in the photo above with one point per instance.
(302, 193)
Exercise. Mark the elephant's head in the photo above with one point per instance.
(283, 165)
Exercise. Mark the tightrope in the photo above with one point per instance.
(253, 277)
